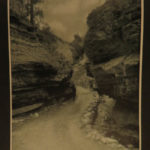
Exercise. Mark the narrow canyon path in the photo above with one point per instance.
(59, 127)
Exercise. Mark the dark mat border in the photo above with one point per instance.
(4, 79)
(146, 79)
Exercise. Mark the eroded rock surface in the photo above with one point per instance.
(112, 44)
(41, 68)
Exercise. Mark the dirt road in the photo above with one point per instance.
(57, 128)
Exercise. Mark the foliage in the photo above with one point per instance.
(27, 10)
(114, 30)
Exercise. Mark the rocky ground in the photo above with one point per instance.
(41, 66)
(59, 127)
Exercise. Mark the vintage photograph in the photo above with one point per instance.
(75, 73)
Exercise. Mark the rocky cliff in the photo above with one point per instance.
(112, 44)
(41, 66)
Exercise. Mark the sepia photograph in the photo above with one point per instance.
(75, 74)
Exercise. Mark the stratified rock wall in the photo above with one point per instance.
(118, 78)
(40, 71)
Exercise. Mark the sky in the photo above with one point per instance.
(68, 17)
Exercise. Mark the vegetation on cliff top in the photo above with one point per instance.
(114, 30)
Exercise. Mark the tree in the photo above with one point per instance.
(33, 11)
(27, 10)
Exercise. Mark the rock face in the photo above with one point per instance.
(118, 78)
(41, 71)
(112, 44)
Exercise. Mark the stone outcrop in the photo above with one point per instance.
(41, 69)
(112, 44)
